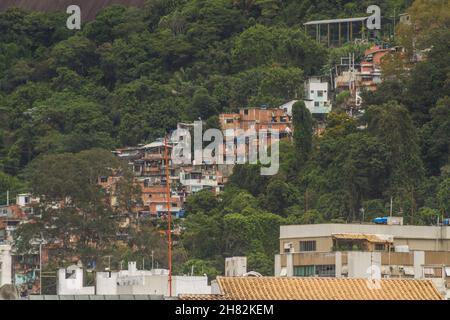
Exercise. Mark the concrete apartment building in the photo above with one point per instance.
(358, 250)
(148, 165)
(257, 119)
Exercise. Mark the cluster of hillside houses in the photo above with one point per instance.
(147, 162)
(418, 257)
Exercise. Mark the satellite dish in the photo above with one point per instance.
(8, 292)
(252, 274)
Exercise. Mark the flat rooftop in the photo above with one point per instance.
(397, 231)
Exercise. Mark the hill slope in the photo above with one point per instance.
(89, 8)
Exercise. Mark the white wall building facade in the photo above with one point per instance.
(316, 97)
(149, 282)
(70, 282)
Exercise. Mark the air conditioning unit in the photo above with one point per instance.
(289, 247)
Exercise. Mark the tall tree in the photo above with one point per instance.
(303, 131)
(392, 124)
(74, 214)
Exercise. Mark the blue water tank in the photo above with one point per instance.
(446, 222)
(380, 220)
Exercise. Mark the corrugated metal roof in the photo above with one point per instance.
(334, 21)
(376, 238)
(281, 288)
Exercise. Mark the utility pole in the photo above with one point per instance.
(390, 210)
(40, 267)
(7, 197)
(41, 242)
(166, 157)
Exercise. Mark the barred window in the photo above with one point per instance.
(308, 245)
(326, 270)
(315, 270)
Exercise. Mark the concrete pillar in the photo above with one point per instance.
(6, 265)
(132, 267)
(290, 264)
(338, 264)
(419, 261)
(277, 266)
(360, 264)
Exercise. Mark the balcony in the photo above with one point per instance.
(153, 156)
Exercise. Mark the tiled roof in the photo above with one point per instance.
(282, 288)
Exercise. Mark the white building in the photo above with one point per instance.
(26, 199)
(5, 264)
(316, 97)
(149, 282)
(70, 282)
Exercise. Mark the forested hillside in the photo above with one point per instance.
(131, 74)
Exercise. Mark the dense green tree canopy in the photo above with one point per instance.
(131, 75)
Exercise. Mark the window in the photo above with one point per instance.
(246, 111)
(103, 179)
(320, 93)
(228, 120)
(304, 271)
(379, 247)
(307, 245)
(327, 270)
(173, 204)
(316, 104)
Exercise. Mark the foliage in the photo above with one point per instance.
(303, 131)
(130, 76)
(75, 215)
